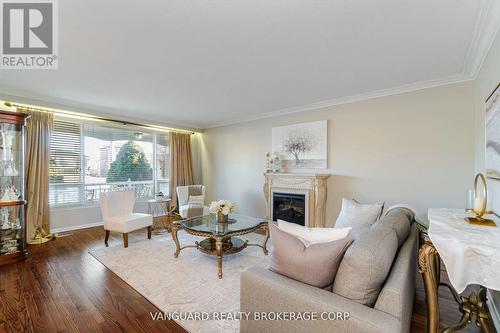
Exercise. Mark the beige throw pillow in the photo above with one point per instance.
(358, 216)
(366, 265)
(196, 199)
(315, 265)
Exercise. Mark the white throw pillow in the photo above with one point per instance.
(310, 236)
(358, 216)
(196, 199)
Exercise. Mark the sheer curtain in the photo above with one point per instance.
(181, 165)
(38, 130)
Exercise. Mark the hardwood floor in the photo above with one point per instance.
(62, 288)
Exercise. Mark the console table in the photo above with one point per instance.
(471, 255)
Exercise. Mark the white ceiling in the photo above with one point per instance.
(206, 63)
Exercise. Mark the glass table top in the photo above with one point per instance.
(209, 224)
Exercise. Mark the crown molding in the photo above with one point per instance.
(350, 99)
(485, 31)
(21, 97)
(486, 28)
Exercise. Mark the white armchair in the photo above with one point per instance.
(189, 209)
(117, 211)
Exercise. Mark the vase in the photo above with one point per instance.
(221, 218)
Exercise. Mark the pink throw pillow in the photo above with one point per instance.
(315, 265)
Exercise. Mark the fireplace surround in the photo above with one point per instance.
(290, 195)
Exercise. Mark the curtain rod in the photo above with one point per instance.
(98, 118)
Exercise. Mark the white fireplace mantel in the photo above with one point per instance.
(314, 186)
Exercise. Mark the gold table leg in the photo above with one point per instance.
(218, 249)
(264, 245)
(178, 247)
(428, 262)
(483, 318)
(175, 228)
(266, 238)
(473, 308)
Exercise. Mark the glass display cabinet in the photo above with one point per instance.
(12, 187)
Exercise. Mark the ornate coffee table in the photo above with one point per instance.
(220, 237)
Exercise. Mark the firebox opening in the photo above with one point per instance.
(289, 207)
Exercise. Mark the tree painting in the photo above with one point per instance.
(301, 145)
(130, 163)
(298, 142)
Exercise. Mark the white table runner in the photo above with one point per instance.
(470, 253)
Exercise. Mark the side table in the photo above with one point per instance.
(473, 307)
(160, 209)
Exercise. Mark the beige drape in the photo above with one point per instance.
(181, 165)
(38, 130)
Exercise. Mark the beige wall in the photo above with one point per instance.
(415, 148)
(487, 80)
(196, 156)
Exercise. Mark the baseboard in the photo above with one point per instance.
(76, 227)
(494, 311)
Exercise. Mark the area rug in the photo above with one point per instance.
(188, 283)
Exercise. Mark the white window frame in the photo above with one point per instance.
(82, 185)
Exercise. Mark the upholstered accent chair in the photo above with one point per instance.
(191, 201)
(117, 211)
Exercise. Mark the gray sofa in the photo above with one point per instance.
(266, 291)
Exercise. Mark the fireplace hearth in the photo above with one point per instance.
(290, 207)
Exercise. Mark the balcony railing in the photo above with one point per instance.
(70, 194)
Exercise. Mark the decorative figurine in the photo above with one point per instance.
(276, 163)
(8, 146)
(6, 143)
(10, 193)
(4, 218)
(17, 224)
(269, 162)
(5, 196)
(160, 196)
(10, 169)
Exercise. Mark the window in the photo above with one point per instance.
(65, 164)
(88, 159)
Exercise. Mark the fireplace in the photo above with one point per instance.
(307, 193)
(290, 207)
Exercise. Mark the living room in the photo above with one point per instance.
(268, 166)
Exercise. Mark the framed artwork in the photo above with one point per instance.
(492, 125)
(301, 146)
